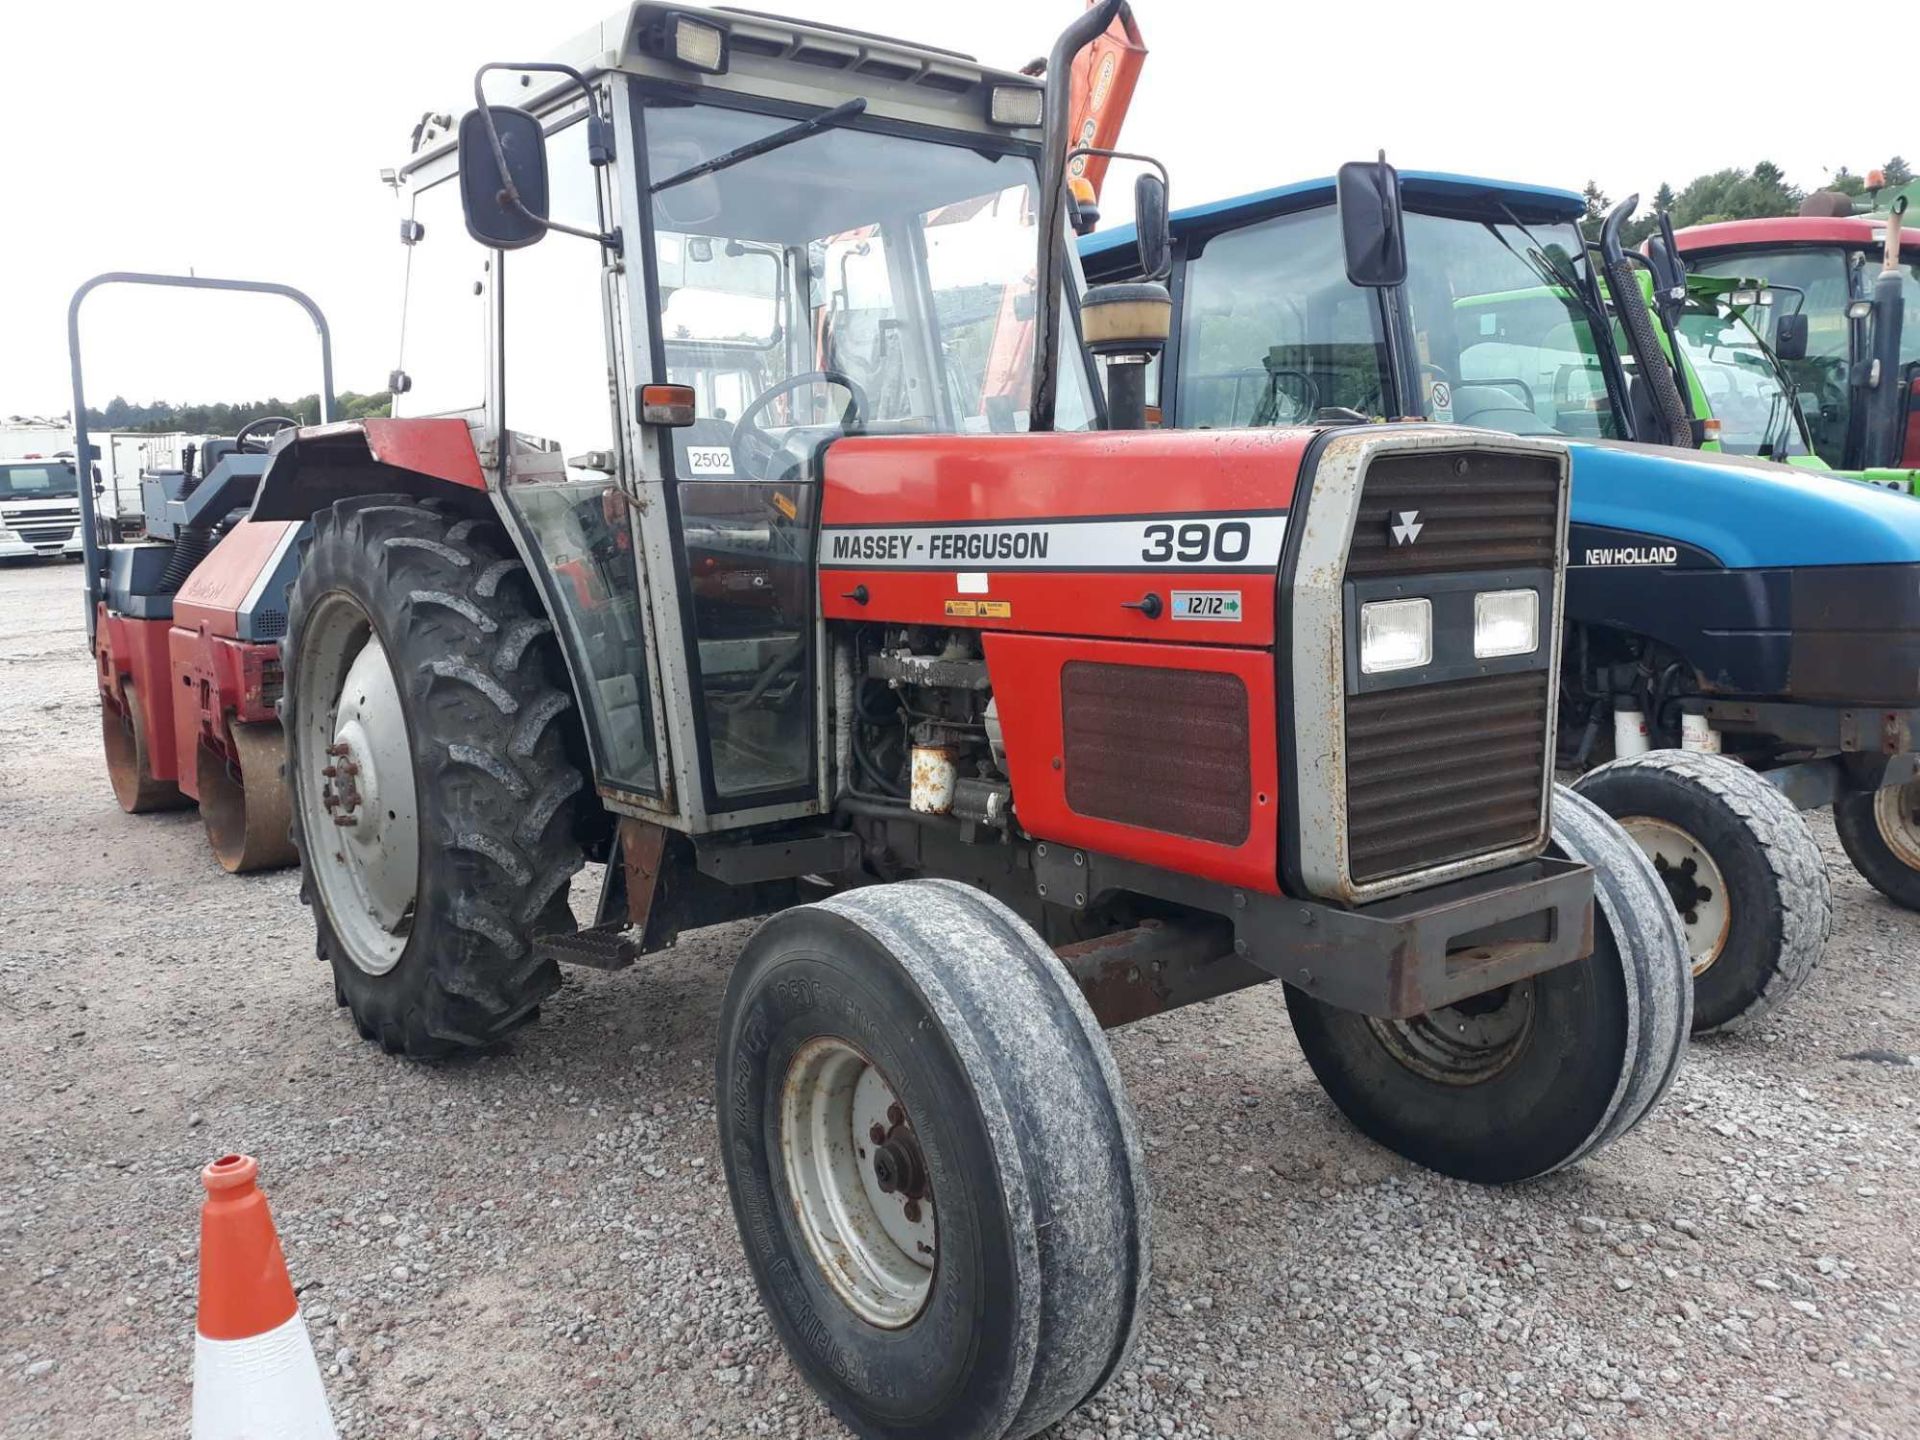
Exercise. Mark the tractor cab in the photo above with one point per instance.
(703, 250)
(1855, 356)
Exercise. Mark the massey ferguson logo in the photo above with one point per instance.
(1406, 527)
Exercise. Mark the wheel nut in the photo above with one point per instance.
(912, 1211)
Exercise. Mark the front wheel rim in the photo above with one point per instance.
(355, 784)
(1466, 1043)
(858, 1183)
(1896, 814)
(1693, 883)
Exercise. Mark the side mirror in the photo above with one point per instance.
(503, 177)
(1790, 337)
(1371, 229)
(1153, 230)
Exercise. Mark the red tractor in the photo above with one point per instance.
(1013, 718)
(186, 622)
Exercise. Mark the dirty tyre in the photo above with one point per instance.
(1556, 1067)
(1880, 831)
(123, 735)
(1035, 1191)
(415, 641)
(1733, 854)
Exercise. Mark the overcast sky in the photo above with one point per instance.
(246, 139)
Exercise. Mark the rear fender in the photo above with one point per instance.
(316, 465)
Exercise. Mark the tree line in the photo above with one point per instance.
(1730, 194)
(226, 418)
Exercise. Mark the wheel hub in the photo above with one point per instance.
(858, 1182)
(1693, 882)
(1466, 1043)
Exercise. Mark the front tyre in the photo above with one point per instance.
(1538, 1074)
(1741, 868)
(933, 1166)
(1880, 831)
(432, 794)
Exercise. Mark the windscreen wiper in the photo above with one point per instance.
(779, 140)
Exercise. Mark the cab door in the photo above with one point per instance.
(563, 469)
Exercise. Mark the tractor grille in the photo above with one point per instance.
(1166, 750)
(1441, 772)
(1486, 511)
(1444, 772)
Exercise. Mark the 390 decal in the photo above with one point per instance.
(1198, 542)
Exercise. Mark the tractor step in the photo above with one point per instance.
(601, 947)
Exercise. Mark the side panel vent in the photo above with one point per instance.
(1166, 750)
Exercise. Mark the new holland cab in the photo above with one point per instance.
(708, 547)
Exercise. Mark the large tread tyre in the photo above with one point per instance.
(1585, 1055)
(1037, 1187)
(1742, 868)
(480, 685)
(1880, 831)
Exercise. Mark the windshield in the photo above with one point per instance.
(877, 281)
(1741, 384)
(1273, 334)
(1503, 343)
(54, 479)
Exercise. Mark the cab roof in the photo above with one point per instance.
(1535, 204)
(1862, 231)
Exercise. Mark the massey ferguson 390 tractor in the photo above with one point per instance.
(1015, 719)
(186, 623)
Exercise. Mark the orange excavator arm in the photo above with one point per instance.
(1102, 83)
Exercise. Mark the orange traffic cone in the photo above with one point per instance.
(254, 1375)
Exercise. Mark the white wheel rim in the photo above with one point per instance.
(1896, 812)
(857, 1182)
(1693, 882)
(355, 783)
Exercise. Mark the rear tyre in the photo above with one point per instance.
(1741, 868)
(1880, 831)
(932, 1163)
(1540, 1073)
(123, 735)
(433, 797)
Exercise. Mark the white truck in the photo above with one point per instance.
(39, 508)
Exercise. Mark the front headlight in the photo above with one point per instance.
(1505, 622)
(1395, 635)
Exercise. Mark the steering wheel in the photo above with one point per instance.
(244, 443)
(1298, 386)
(754, 449)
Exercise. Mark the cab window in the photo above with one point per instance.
(443, 339)
(1273, 333)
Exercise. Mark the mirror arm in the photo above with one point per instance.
(598, 143)
(1083, 150)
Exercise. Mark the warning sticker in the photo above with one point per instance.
(1206, 605)
(980, 609)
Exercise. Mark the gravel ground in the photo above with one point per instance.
(537, 1241)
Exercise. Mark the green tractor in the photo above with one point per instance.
(1845, 322)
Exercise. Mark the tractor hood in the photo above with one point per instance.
(1747, 514)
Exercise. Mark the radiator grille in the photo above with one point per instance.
(1163, 749)
(1486, 511)
(1440, 772)
(1443, 772)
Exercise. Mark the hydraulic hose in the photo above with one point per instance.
(1655, 370)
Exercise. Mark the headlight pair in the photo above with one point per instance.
(1398, 634)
